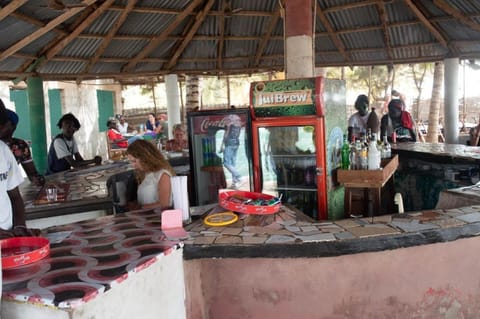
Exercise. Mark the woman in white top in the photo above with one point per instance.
(153, 174)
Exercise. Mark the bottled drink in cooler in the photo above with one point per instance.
(345, 153)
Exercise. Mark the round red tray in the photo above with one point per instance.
(241, 202)
(20, 251)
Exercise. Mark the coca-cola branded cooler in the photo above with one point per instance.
(297, 134)
(220, 152)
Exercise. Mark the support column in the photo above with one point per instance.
(192, 92)
(36, 105)
(299, 42)
(450, 111)
(173, 102)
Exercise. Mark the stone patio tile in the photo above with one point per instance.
(249, 240)
(316, 238)
(246, 234)
(344, 235)
(302, 223)
(204, 240)
(453, 212)
(293, 228)
(308, 233)
(372, 231)
(448, 222)
(228, 240)
(308, 228)
(263, 230)
(280, 239)
(383, 219)
(288, 222)
(274, 225)
(209, 233)
(413, 225)
(232, 231)
(470, 218)
(471, 209)
(346, 223)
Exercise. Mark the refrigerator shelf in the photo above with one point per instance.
(300, 189)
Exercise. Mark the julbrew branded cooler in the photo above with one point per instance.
(297, 134)
(206, 130)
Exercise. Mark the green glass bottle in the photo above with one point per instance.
(345, 153)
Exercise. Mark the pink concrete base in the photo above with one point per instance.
(432, 281)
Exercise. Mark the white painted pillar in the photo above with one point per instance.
(173, 102)
(299, 42)
(450, 126)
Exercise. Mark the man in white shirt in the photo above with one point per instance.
(122, 125)
(12, 212)
(357, 123)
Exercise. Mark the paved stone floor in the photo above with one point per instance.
(289, 226)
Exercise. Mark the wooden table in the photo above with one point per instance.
(88, 191)
(368, 181)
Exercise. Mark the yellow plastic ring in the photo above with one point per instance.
(221, 219)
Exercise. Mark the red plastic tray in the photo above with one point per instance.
(235, 201)
(21, 251)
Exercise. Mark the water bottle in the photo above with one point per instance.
(373, 155)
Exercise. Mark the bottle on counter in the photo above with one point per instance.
(373, 155)
(373, 122)
(386, 148)
(355, 160)
(364, 153)
(345, 153)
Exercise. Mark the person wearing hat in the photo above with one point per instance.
(12, 214)
(399, 121)
(357, 123)
(63, 153)
(20, 149)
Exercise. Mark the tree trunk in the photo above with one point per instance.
(433, 116)
(192, 92)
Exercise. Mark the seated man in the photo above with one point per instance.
(115, 138)
(63, 153)
(20, 149)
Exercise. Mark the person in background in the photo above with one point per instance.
(230, 144)
(399, 121)
(122, 125)
(153, 174)
(357, 123)
(164, 125)
(12, 214)
(117, 139)
(63, 153)
(20, 149)
(152, 126)
(179, 141)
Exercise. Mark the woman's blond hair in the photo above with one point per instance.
(150, 157)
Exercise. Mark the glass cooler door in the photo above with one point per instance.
(287, 164)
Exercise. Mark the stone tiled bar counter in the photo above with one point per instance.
(288, 266)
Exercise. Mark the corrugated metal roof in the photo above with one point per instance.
(181, 36)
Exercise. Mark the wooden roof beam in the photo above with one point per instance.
(456, 14)
(331, 32)
(198, 22)
(268, 34)
(221, 37)
(427, 23)
(386, 36)
(111, 33)
(82, 26)
(41, 31)
(155, 41)
(10, 8)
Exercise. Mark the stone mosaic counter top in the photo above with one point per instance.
(290, 234)
(90, 258)
(439, 152)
